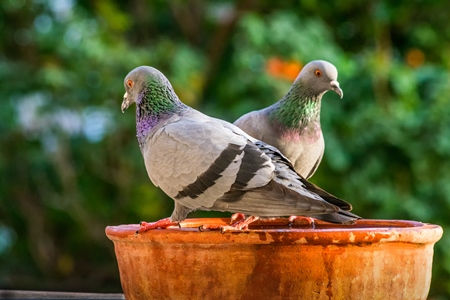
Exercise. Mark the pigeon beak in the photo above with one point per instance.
(125, 102)
(335, 87)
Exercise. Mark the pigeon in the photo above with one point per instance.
(293, 123)
(204, 163)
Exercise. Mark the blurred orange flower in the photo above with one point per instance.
(288, 70)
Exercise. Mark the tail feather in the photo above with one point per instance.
(342, 204)
(341, 217)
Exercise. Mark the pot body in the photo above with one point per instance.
(373, 259)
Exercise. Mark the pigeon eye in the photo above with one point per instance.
(130, 83)
(318, 73)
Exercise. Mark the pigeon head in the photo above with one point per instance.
(320, 76)
(147, 84)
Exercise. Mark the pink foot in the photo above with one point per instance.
(239, 225)
(234, 218)
(308, 220)
(163, 223)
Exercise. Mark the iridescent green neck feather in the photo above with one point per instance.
(155, 103)
(299, 108)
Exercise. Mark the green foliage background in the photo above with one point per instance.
(69, 160)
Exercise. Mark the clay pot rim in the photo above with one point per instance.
(276, 231)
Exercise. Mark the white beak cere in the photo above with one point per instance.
(125, 102)
(335, 87)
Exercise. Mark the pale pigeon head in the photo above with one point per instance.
(144, 80)
(318, 77)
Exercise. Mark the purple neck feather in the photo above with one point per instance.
(150, 115)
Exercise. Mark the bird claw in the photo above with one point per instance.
(309, 221)
(239, 225)
(242, 223)
(237, 217)
(163, 224)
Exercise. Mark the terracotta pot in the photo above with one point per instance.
(373, 259)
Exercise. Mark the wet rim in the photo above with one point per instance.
(366, 231)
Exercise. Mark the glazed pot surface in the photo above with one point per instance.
(372, 259)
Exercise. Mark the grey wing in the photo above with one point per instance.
(196, 161)
(287, 194)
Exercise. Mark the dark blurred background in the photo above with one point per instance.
(69, 159)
